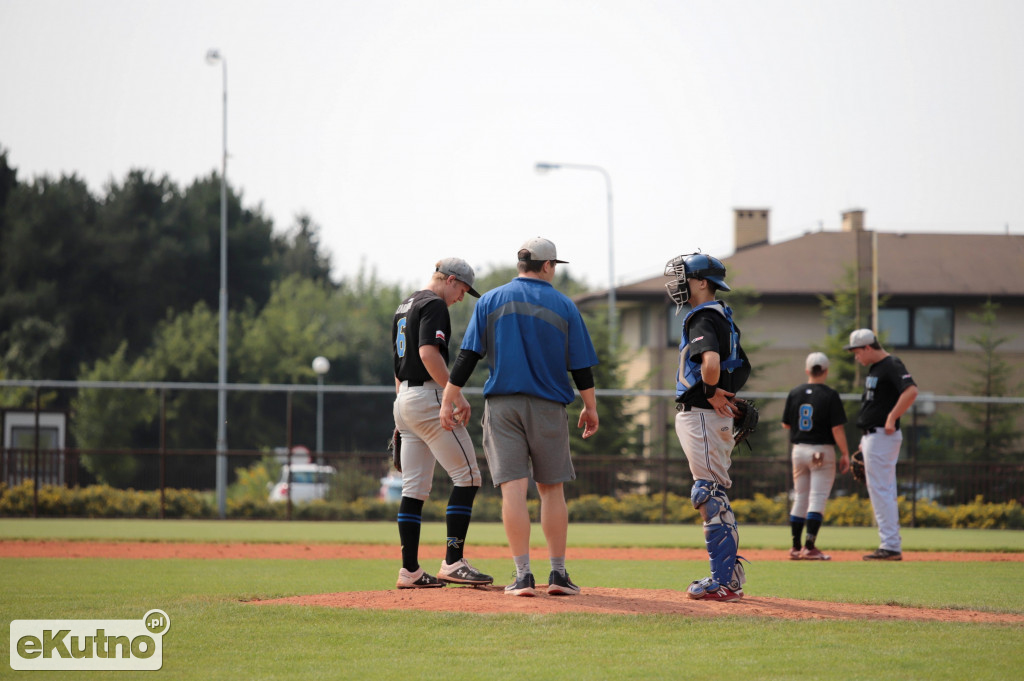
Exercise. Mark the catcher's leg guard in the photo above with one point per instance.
(721, 537)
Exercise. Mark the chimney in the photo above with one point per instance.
(751, 225)
(853, 220)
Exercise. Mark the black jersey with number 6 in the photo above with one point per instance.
(421, 319)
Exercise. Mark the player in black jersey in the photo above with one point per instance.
(889, 391)
(815, 419)
(419, 343)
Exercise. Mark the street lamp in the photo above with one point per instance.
(212, 57)
(321, 366)
(545, 167)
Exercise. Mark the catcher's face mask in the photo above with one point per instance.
(677, 289)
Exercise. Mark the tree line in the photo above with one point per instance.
(123, 286)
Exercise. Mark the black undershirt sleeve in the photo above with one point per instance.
(463, 367)
(583, 378)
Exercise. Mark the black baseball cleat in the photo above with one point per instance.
(884, 554)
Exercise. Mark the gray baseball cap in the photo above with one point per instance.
(860, 338)
(817, 359)
(541, 249)
(460, 269)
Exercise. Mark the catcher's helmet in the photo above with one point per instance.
(692, 266)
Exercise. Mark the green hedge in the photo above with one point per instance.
(101, 501)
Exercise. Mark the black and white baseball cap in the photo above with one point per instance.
(460, 269)
(860, 338)
(540, 248)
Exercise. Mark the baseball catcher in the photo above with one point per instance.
(712, 368)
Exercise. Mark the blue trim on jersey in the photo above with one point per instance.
(692, 367)
(542, 336)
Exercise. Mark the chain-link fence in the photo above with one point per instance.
(955, 448)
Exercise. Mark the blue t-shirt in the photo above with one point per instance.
(532, 336)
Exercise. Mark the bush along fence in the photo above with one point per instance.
(100, 501)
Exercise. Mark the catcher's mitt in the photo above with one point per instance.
(745, 421)
(395, 447)
(857, 466)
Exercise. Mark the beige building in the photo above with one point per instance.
(930, 284)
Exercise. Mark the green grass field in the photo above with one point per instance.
(215, 634)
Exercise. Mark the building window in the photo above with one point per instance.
(894, 325)
(645, 327)
(927, 328)
(933, 327)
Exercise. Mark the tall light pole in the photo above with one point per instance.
(545, 167)
(321, 365)
(212, 57)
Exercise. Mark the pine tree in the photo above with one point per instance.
(987, 431)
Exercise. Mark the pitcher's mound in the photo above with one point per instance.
(600, 600)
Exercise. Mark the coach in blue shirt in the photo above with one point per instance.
(533, 337)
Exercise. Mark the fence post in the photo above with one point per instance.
(664, 475)
(163, 449)
(913, 466)
(288, 442)
(35, 467)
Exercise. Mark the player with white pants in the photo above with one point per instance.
(889, 390)
(815, 419)
(712, 368)
(419, 340)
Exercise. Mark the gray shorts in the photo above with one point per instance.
(520, 431)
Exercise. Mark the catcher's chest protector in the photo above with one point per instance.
(691, 367)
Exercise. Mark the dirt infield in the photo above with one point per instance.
(493, 599)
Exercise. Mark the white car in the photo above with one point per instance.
(309, 481)
(391, 487)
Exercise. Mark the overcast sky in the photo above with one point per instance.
(409, 129)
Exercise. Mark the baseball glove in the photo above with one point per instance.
(395, 447)
(745, 421)
(857, 466)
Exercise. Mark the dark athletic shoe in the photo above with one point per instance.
(522, 587)
(561, 586)
(884, 554)
(417, 580)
